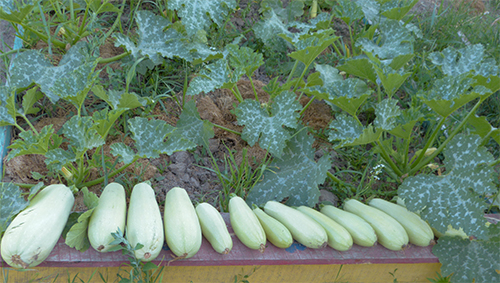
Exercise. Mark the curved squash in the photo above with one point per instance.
(304, 229)
(34, 232)
(214, 228)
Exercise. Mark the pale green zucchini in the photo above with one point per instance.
(276, 232)
(246, 225)
(144, 223)
(361, 232)
(419, 232)
(182, 227)
(33, 233)
(389, 232)
(214, 228)
(338, 237)
(302, 227)
(108, 217)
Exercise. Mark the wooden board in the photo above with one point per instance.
(294, 264)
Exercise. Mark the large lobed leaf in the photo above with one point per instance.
(197, 14)
(470, 260)
(193, 127)
(453, 199)
(149, 137)
(32, 67)
(349, 131)
(11, 203)
(347, 94)
(295, 175)
(268, 128)
(155, 42)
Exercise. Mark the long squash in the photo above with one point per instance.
(214, 228)
(338, 237)
(246, 225)
(303, 228)
(361, 232)
(419, 232)
(389, 232)
(144, 223)
(108, 216)
(276, 232)
(182, 227)
(34, 232)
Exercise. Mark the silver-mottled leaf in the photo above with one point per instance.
(155, 42)
(395, 40)
(455, 62)
(32, 67)
(386, 113)
(349, 131)
(80, 132)
(213, 76)
(294, 175)
(193, 127)
(453, 199)
(199, 14)
(268, 128)
(11, 203)
(469, 261)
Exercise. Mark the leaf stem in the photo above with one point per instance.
(227, 129)
(292, 72)
(430, 141)
(307, 105)
(388, 159)
(101, 179)
(101, 60)
(253, 88)
(236, 91)
(448, 139)
(301, 77)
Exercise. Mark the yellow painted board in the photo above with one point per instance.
(352, 273)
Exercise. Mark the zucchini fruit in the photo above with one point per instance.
(338, 237)
(361, 232)
(182, 227)
(419, 232)
(389, 232)
(108, 216)
(246, 225)
(276, 232)
(34, 232)
(144, 223)
(302, 227)
(214, 228)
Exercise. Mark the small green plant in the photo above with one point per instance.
(440, 279)
(236, 178)
(139, 271)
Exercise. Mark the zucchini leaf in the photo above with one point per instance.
(294, 175)
(470, 260)
(77, 235)
(393, 40)
(268, 127)
(386, 113)
(149, 137)
(32, 66)
(454, 199)
(193, 127)
(8, 107)
(212, 76)
(31, 143)
(397, 9)
(347, 94)
(155, 42)
(11, 203)
(349, 11)
(349, 131)
(310, 46)
(455, 62)
(199, 14)
(452, 92)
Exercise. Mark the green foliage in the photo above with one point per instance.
(295, 175)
